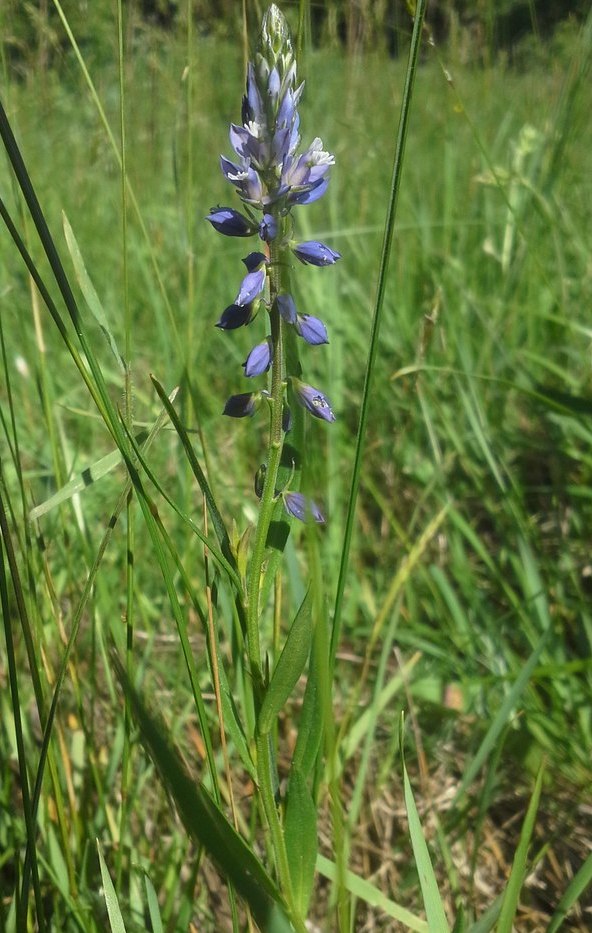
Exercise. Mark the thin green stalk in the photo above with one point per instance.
(128, 417)
(265, 765)
(29, 815)
(376, 321)
(269, 487)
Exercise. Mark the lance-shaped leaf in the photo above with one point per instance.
(205, 823)
(300, 830)
(289, 666)
(113, 909)
(88, 290)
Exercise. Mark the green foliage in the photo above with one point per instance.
(467, 594)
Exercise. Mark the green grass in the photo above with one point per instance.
(467, 596)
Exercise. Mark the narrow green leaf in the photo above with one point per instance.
(579, 883)
(206, 824)
(310, 727)
(103, 466)
(487, 920)
(289, 666)
(434, 908)
(153, 907)
(115, 919)
(88, 290)
(300, 829)
(81, 481)
(371, 895)
(518, 872)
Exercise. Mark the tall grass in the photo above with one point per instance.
(465, 597)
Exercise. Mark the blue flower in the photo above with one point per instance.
(236, 316)
(309, 194)
(254, 260)
(287, 308)
(300, 507)
(268, 228)
(316, 254)
(243, 405)
(251, 286)
(230, 222)
(313, 400)
(245, 179)
(259, 359)
(311, 329)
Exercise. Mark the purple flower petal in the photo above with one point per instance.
(259, 359)
(300, 507)
(311, 329)
(310, 194)
(230, 222)
(251, 286)
(316, 254)
(241, 406)
(236, 316)
(313, 400)
(268, 228)
(254, 260)
(287, 308)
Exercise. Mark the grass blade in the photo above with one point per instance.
(437, 922)
(518, 873)
(372, 895)
(579, 883)
(378, 307)
(115, 919)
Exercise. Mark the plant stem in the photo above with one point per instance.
(273, 461)
(264, 759)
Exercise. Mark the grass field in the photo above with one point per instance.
(467, 598)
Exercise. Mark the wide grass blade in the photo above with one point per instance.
(205, 822)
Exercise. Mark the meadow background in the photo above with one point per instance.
(467, 602)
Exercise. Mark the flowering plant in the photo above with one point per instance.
(272, 176)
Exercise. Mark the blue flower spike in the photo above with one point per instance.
(275, 175)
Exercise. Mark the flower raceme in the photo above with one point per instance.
(272, 176)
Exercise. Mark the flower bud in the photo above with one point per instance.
(259, 359)
(315, 254)
(313, 400)
(243, 405)
(230, 222)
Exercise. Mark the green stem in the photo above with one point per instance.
(273, 461)
(264, 758)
